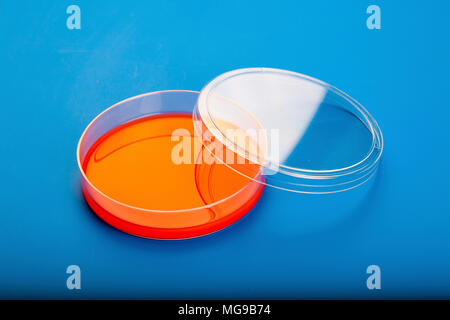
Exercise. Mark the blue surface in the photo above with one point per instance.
(54, 81)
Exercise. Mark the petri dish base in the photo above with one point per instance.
(145, 171)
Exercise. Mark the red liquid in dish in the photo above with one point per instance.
(133, 165)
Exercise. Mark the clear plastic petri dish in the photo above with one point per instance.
(145, 172)
(311, 137)
(182, 164)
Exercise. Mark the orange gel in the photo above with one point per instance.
(132, 171)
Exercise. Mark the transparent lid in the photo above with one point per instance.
(306, 135)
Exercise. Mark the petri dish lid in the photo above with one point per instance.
(307, 136)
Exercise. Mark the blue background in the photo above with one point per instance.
(53, 81)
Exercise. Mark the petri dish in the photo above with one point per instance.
(314, 137)
(180, 164)
(146, 172)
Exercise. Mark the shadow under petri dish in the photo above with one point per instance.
(134, 165)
